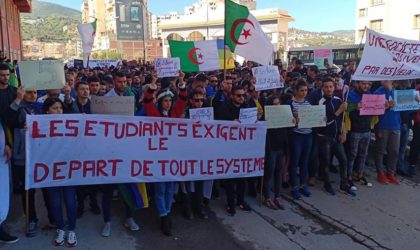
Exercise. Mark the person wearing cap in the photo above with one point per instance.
(165, 107)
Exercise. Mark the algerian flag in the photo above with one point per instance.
(196, 56)
(244, 35)
(87, 33)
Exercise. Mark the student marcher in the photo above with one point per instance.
(358, 127)
(331, 138)
(387, 137)
(59, 194)
(165, 107)
(229, 111)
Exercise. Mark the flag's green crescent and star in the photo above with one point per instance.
(244, 35)
(201, 55)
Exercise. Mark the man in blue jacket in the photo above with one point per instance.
(387, 137)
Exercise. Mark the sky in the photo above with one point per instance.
(310, 15)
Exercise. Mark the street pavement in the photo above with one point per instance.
(380, 217)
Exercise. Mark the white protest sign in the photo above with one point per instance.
(312, 116)
(112, 105)
(202, 114)
(248, 115)
(167, 67)
(279, 116)
(388, 58)
(98, 149)
(405, 100)
(42, 75)
(267, 77)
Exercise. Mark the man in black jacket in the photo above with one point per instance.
(8, 95)
(331, 137)
(82, 105)
(229, 111)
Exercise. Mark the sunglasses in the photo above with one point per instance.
(240, 95)
(198, 100)
(213, 81)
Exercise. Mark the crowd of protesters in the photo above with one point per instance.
(296, 158)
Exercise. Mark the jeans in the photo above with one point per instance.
(415, 145)
(273, 170)
(164, 194)
(108, 191)
(57, 195)
(405, 132)
(328, 147)
(301, 145)
(313, 167)
(230, 191)
(358, 149)
(387, 143)
(20, 173)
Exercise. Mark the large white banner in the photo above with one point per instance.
(98, 63)
(81, 149)
(388, 58)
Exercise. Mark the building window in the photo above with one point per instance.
(362, 12)
(376, 2)
(377, 25)
(196, 36)
(417, 21)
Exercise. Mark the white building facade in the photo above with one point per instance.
(399, 18)
(205, 21)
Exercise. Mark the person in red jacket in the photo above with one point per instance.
(165, 107)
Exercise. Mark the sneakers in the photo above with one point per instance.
(231, 210)
(245, 207)
(270, 204)
(278, 203)
(131, 224)
(352, 186)
(393, 179)
(382, 178)
(59, 238)
(71, 239)
(305, 191)
(364, 182)
(295, 194)
(347, 190)
(7, 238)
(32, 229)
(106, 230)
(329, 189)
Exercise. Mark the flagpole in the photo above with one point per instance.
(224, 47)
(87, 64)
(355, 65)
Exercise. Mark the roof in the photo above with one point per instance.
(350, 46)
